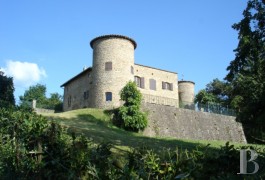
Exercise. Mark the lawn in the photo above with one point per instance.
(96, 124)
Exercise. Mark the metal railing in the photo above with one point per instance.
(208, 107)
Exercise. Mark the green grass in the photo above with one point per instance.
(96, 124)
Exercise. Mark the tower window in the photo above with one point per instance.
(108, 66)
(132, 70)
(108, 96)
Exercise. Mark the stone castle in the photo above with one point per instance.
(113, 66)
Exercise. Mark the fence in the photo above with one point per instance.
(209, 107)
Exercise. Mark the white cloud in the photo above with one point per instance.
(24, 74)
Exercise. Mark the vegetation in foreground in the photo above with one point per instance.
(33, 147)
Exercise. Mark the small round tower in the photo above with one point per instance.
(186, 94)
(113, 63)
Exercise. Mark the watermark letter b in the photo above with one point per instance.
(244, 162)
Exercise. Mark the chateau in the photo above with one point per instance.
(113, 66)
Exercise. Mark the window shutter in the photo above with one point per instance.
(152, 84)
(171, 86)
(108, 66)
(163, 85)
(142, 83)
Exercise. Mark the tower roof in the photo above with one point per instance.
(113, 36)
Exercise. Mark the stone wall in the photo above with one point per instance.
(119, 51)
(167, 121)
(74, 92)
(186, 93)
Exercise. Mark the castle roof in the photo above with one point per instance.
(77, 76)
(156, 68)
(186, 82)
(113, 36)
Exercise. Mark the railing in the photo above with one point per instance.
(147, 98)
(209, 107)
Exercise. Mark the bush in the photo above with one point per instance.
(129, 115)
(31, 147)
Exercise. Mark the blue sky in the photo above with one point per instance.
(47, 42)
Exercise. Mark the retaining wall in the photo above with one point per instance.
(168, 121)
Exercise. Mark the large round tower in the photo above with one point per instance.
(113, 62)
(186, 94)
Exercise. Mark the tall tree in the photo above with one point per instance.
(37, 92)
(216, 97)
(6, 91)
(246, 72)
(55, 102)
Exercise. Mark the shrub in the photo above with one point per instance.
(129, 115)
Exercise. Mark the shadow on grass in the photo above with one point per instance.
(104, 131)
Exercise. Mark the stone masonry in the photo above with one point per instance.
(113, 66)
(166, 121)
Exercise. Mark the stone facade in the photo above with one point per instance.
(186, 94)
(159, 95)
(166, 121)
(113, 66)
(77, 91)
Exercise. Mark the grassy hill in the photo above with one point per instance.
(96, 124)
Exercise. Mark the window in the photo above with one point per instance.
(108, 96)
(69, 101)
(86, 94)
(152, 84)
(132, 70)
(167, 86)
(139, 81)
(108, 66)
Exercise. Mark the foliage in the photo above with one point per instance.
(200, 163)
(215, 92)
(244, 85)
(246, 71)
(216, 98)
(55, 102)
(38, 93)
(7, 89)
(129, 115)
(31, 147)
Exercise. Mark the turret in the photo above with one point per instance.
(186, 94)
(113, 63)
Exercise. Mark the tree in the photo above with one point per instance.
(129, 115)
(37, 92)
(7, 89)
(246, 71)
(216, 92)
(55, 102)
